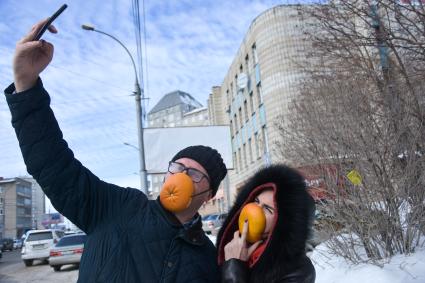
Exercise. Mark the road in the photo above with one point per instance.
(13, 270)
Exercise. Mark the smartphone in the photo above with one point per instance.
(49, 22)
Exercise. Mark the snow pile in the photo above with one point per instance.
(400, 269)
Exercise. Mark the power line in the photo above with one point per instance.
(90, 78)
(146, 92)
(136, 22)
(137, 29)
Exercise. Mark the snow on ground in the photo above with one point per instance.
(400, 269)
(333, 269)
(212, 238)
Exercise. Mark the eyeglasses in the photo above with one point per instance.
(194, 174)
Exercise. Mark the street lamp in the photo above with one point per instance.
(137, 96)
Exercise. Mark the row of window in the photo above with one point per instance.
(23, 211)
(23, 221)
(23, 190)
(23, 201)
(250, 151)
(248, 66)
(173, 119)
(245, 111)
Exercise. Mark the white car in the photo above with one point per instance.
(38, 243)
(212, 223)
(67, 251)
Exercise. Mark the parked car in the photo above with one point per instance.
(17, 244)
(67, 251)
(204, 222)
(213, 222)
(38, 243)
(7, 244)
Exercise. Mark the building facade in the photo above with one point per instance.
(38, 203)
(262, 81)
(174, 109)
(170, 110)
(196, 117)
(15, 207)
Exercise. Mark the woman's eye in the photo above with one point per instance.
(256, 200)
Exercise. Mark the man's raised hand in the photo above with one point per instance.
(31, 58)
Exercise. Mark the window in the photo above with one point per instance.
(231, 89)
(72, 240)
(245, 159)
(254, 54)
(231, 128)
(240, 159)
(247, 64)
(251, 102)
(257, 146)
(236, 123)
(250, 150)
(240, 117)
(39, 236)
(227, 96)
(264, 138)
(259, 94)
(245, 109)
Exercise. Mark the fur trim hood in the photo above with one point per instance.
(295, 208)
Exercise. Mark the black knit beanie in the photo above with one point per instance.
(210, 159)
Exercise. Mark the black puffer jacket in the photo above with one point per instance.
(130, 238)
(283, 259)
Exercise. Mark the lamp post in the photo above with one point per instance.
(137, 96)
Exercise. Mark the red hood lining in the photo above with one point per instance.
(233, 224)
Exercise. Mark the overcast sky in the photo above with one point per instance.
(190, 46)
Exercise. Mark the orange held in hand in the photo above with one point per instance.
(256, 221)
(176, 193)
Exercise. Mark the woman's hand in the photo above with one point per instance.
(238, 246)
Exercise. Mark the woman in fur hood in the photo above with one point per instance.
(280, 254)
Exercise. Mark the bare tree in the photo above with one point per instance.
(362, 108)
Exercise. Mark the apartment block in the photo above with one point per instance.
(15, 207)
(262, 81)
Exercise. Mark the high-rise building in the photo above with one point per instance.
(15, 207)
(261, 82)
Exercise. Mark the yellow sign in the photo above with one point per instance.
(354, 177)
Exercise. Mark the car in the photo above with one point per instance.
(7, 244)
(17, 244)
(205, 223)
(213, 223)
(67, 251)
(38, 243)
